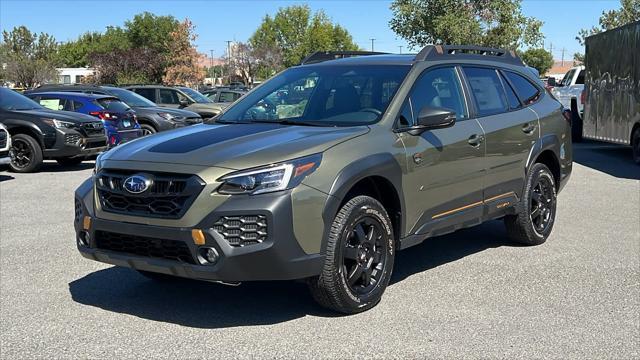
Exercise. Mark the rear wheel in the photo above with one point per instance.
(359, 258)
(147, 129)
(70, 161)
(536, 214)
(26, 154)
(635, 145)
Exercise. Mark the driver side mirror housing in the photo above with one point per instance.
(431, 118)
(185, 103)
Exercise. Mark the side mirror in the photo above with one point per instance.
(551, 81)
(431, 118)
(184, 103)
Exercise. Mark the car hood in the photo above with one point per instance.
(60, 115)
(233, 146)
(158, 109)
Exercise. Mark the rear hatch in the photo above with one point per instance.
(119, 114)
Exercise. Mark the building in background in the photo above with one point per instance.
(74, 75)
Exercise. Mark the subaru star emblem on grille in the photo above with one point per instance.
(136, 184)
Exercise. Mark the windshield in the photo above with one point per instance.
(131, 98)
(11, 100)
(199, 98)
(322, 95)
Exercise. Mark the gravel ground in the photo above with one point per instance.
(471, 294)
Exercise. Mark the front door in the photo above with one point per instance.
(445, 166)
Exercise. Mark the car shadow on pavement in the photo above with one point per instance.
(52, 167)
(209, 305)
(6, 177)
(615, 160)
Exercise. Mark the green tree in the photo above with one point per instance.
(295, 32)
(629, 12)
(30, 58)
(147, 30)
(539, 58)
(495, 23)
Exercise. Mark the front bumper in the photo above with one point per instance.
(70, 143)
(278, 257)
(4, 158)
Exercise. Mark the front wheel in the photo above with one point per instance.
(359, 258)
(537, 211)
(147, 129)
(26, 154)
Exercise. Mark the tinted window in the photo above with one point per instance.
(113, 104)
(580, 78)
(324, 95)
(226, 96)
(525, 90)
(566, 80)
(147, 93)
(438, 88)
(487, 90)
(514, 103)
(77, 105)
(196, 96)
(11, 100)
(168, 96)
(130, 98)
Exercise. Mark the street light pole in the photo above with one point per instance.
(400, 47)
(229, 59)
(372, 40)
(212, 70)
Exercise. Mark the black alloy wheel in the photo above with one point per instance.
(542, 205)
(26, 154)
(364, 255)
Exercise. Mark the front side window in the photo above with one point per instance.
(566, 80)
(195, 95)
(525, 90)
(580, 78)
(226, 96)
(168, 96)
(150, 94)
(438, 88)
(487, 90)
(322, 95)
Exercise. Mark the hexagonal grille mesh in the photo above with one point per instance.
(144, 246)
(242, 230)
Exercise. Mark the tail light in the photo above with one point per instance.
(103, 115)
(583, 97)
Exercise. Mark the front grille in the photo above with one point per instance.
(3, 139)
(144, 246)
(168, 196)
(242, 230)
(93, 128)
(96, 144)
(72, 139)
(78, 211)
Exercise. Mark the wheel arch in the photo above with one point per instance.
(378, 176)
(26, 128)
(547, 152)
(148, 121)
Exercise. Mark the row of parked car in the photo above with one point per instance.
(70, 123)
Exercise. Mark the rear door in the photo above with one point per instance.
(511, 130)
(446, 166)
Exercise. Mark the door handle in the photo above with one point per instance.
(475, 140)
(528, 128)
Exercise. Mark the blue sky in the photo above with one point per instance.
(217, 21)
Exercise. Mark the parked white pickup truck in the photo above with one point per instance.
(570, 87)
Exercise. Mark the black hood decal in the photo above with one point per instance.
(218, 134)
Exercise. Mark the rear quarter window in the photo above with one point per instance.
(526, 91)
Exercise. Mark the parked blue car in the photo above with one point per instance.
(119, 120)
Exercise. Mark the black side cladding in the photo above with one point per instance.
(217, 134)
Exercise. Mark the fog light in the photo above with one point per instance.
(208, 255)
(83, 238)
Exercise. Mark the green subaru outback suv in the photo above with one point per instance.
(328, 169)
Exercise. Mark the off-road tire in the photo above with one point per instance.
(35, 153)
(70, 161)
(520, 227)
(331, 288)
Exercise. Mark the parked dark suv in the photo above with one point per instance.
(178, 98)
(38, 133)
(151, 117)
(328, 169)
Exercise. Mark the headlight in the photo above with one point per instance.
(59, 124)
(169, 117)
(277, 177)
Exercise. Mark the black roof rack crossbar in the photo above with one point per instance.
(441, 52)
(320, 56)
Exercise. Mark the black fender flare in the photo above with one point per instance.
(32, 129)
(546, 142)
(382, 165)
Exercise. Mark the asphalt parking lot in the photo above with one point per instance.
(470, 294)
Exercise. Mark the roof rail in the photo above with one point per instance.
(438, 52)
(320, 56)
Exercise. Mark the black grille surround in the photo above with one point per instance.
(144, 246)
(169, 195)
(95, 128)
(242, 230)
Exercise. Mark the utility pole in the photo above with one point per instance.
(551, 48)
(400, 47)
(372, 40)
(212, 70)
(563, 50)
(229, 58)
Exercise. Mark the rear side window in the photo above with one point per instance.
(512, 98)
(525, 90)
(113, 104)
(487, 90)
(77, 105)
(147, 93)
